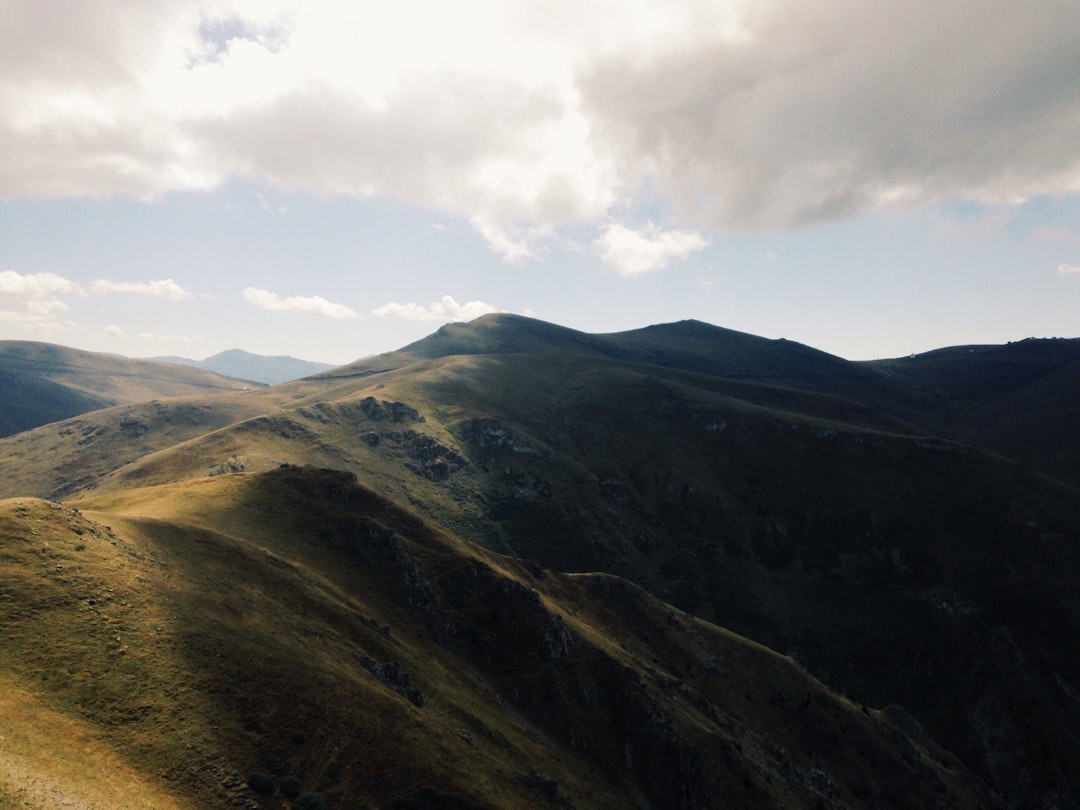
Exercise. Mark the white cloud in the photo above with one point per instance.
(182, 339)
(310, 305)
(511, 243)
(165, 288)
(828, 109)
(630, 252)
(34, 298)
(445, 309)
(119, 333)
(524, 117)
(1068, 269)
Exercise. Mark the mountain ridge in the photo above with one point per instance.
(824, 508)
(243, 365)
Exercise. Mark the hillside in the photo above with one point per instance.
(833, 511)
(42, 383)
(293, 624)
(1018, 399)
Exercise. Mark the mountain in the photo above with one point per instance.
(42, 382)
(844, 514)
(1018, 399)
(246, 366)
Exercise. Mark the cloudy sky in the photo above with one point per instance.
(329, 179)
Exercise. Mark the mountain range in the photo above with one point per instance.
(247, 366)
(516, 565)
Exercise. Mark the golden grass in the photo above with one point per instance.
(221, 607)
(50, 759)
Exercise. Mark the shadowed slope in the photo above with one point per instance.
(1019, 399)
(41, 383)
(295, 624)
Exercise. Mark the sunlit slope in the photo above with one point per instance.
(42, 382)
(295, 624)
(51, 758)
(61, 458)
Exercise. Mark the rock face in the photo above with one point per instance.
(233, 464)
(393, 676)
(381, 410)
(427, 456)
(488, 436)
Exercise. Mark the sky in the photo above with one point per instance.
(330, 180)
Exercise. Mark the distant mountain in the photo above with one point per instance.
(482, 500)
(42, 383)
(260, 368)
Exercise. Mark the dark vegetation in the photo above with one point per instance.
(904, 531)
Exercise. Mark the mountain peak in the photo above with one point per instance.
(243, 365)
(503, 333)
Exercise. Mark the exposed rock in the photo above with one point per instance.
(556, 638)
(233, 464)
(525, 485)
(489, 434)
(381, 410)
(393, 676)
(133, 426)
(428, 457)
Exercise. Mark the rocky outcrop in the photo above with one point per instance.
(233, 464)
(391, 675)
(489, 436)
(426, 455)
(383, 411)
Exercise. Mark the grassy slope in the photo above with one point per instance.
(27, 400)
(43, 383)
(199, 632)
(57, 459)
